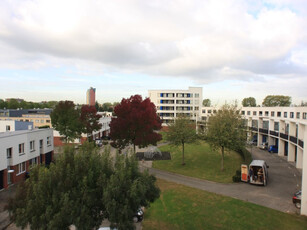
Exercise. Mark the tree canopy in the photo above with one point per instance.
(276, 100)
(181, 132)
(83, 188)
(135, 122)
(90, 119)
(65, 118)
(226, 130)
(207, 102)
(14, 104)
(249, 102)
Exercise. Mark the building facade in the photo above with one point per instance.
(173, 103)
(21, 150)
(91, 96)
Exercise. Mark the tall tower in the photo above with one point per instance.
(91, 96)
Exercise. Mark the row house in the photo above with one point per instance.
(20, 150)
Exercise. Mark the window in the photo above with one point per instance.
(260, 113)
(32, 145)
(33, 162)
(266, 113)
(8, 128)
(22, 167)
(285, 114)
(204, 111)
(48, 121)
(196, 94)
(9, 152)
(298, 115)
(304, 115)
(37, 121)
(248, 112)
(243, 112)
(291, 115)
(196, 108)
(278, 114)
(21, 148)
(276, 126)
(255, 113)
(48, 141)
(272, 113)
(209, 111)
(42, 121)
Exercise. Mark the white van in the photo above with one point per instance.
(255, 173)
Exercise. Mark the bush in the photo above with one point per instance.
(236, 178)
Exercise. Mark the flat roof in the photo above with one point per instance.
(20, 132)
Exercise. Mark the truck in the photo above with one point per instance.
(255, 173)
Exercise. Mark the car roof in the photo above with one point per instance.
(257, 163)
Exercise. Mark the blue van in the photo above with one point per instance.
(273, 149)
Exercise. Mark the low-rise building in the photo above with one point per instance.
(21, 150)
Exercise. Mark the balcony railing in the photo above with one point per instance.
(254, 129)
(274, 133)
(265, 131)
(284, 136)
(293, 139)
(301, 143)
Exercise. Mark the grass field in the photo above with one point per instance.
(201, 162)
(181, 207)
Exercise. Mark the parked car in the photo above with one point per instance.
(98, 142)
(273, 149)
(296, 199)
(252, 142)
(264, 146)
(138, 217)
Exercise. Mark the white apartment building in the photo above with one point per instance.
(20, 150)
(284, 127)
(172, 103)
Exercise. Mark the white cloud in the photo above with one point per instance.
(206, 41)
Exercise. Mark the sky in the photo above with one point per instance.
(57, 49)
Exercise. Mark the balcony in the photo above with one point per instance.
(264, 131)
(255, 129)
(284, 136)
(301, 143)
(274, 133)
(293, 139)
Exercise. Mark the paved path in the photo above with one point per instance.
(284, 180)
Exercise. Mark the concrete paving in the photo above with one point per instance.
(284, 180)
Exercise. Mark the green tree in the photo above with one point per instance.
(125, 191)
(276, 100)
(249, 102)
(226, 130)
(181, 132)
(13, 104)
(207, 102)
(66, 119)
(79, 189)
(107, 107)
(3, 104)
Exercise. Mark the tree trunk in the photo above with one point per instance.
(134, 148)
(222, 165)
(183, 163)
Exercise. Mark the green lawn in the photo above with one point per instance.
(201, 162)
(181, 207)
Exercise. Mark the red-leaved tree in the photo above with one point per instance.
(135, 122)
(89, 119)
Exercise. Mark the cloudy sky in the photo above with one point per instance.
(57, 49)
